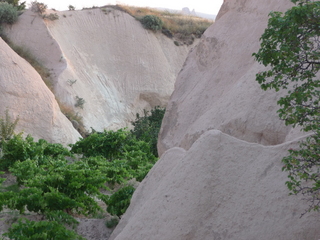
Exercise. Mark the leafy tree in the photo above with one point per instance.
(290, 47)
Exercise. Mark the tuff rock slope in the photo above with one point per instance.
(119, 67)
(25, 95)
(219, 176)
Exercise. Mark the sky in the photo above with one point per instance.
(201, 6)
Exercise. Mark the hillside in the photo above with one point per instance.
(105, 67)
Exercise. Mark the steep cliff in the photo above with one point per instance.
(24, 94)
(219, 76)
(105, 57)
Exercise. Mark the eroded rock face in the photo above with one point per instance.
(216, 88)
(221, 188)
(24, 94)
(119, 67)
(219, 176)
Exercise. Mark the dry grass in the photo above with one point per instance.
(74, 117)
(180, 26)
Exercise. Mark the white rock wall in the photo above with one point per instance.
(25, 95)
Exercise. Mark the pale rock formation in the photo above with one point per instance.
(221, 188)
(220, 176)
(24, 94)
(216, 87)
(120, 67)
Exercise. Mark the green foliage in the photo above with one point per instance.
(147, 127)
(43, 230)
(57, 185)
(16, 3)
(51, 183)
(120, 200)
(108, 144)
(126, 156)
(8, 13)
(19, 149)
(152, 22)
(290, 46)
(303, 166)
(7, 126)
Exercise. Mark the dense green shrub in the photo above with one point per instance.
(57, 185)
(147, 127)
(19, 149)
(125, 154)
(152, 22)
(43, 230)
(8, 13)
(120, 201)
(16, 3)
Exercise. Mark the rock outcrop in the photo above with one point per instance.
(219, 176)
(105, 57)
(216, 88)
(24, 94)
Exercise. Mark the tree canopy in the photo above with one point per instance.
(290, 49)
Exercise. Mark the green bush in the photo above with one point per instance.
(30, 230)
(8, 13)
(152, 22)
(127, 156)
(16, 3)
(19, 149)
(147, 127)
(120, 201)
(57, 185)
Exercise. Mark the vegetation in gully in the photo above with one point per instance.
(290, 47)
(58, 183)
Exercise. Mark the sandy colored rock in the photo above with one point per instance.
(219, 176)
(221, 188)
(24, 94)
(120, 68)
(216, 88)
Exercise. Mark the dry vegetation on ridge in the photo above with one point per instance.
(183, 28)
